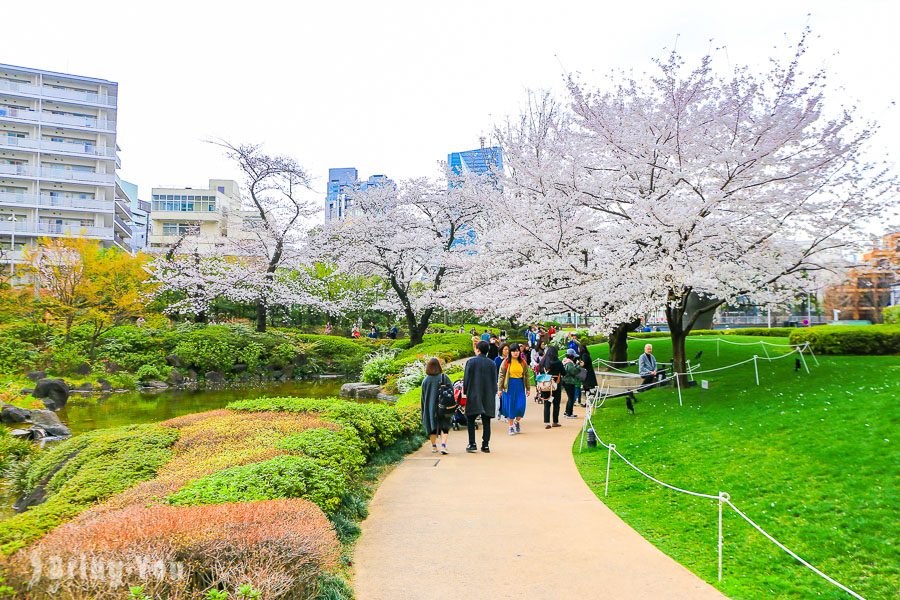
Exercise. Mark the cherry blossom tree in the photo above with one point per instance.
(413, 237)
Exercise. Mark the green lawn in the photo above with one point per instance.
(812, 459)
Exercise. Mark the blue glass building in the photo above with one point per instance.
(481, 161)
(341, 183)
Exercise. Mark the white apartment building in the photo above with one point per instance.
(208, 218)
(58, 160)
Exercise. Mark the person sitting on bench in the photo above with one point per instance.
(647, 365)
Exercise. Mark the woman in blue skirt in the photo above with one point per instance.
(513, 386)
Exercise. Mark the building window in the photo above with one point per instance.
(174, 228)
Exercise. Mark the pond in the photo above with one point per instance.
(86, 413)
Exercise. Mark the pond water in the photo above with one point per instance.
(86, 413)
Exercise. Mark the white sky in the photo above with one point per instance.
(392, 87)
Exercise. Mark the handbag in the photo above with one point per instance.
(582, 375)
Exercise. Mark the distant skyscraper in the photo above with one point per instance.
(481, 161)
(341, 183)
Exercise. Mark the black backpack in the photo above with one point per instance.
(446, 398)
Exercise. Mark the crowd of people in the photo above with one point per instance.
(501, 378)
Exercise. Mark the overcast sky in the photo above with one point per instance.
(392, 87)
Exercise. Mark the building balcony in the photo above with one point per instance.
(77, 176)
(12, 256)
(77, 149)
(36, 116)
(121, 243)
(31, 228)
(123, 207)
(45, 91)
(44, 201)
(187, 215)
(122, 228)
(19, 170)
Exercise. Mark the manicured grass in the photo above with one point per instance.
(812, 459)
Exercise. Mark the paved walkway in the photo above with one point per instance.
(517, 523)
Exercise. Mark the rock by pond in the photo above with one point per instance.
(53, 392)
(360, 390)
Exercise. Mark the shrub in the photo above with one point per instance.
(337, 354)
(845, 339)
(64, 360)
(122, 381)
(445, 346)
(281, 477)
(148, 372)
(892, 315)
(12, 450)
(82, 471)
(16, 356)
(283, 355)
(340, 450)
(279, 547)
(411, 376)
(378, 367)
(132, 347)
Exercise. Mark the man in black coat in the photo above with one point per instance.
(480, 390)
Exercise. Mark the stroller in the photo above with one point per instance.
(459, 415)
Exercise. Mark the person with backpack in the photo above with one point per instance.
(570, 381)
(590, 376)
(552, 370)
(513, 387)
(438, 404)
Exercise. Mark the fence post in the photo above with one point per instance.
(608, 462)
(803, 358)
(690, 371)
(722, 497)
(756, 368)
(678, 385)
(763, 344)
(717, 345)
(811, 353)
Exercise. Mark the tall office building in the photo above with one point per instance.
(481, 161)
(58, 160)
(342, 183)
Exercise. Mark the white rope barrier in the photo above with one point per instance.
(721, 498)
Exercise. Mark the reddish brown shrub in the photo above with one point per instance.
(278, 546)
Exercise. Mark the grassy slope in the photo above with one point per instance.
(811, 458)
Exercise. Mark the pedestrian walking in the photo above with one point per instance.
(590, 376)
(498, 360)
(552, 395)
(435, 414)
(513, 388)
(480, 390)
(570, 380)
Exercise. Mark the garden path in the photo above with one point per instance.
(517, 523)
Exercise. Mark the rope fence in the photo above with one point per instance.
(723, 499)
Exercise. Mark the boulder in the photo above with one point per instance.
(10, 414)
(83, 369)
(23, 434)
(49, 422)
(214, 377)
(288, 373)
(156, 384)
(192, 375)
(175, 378)
(173, 361)
(387, 398)
(239, 368)
(360, 390)
(277, 374)
(54, 393)
(113, 367)
(25, 391)
(105, 385)
(36, 375)
(85, 387)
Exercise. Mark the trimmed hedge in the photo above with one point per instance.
(82, 471)
(850, 339)
(758, 331)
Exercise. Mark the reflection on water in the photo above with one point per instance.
(129, 408)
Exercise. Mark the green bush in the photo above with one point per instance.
(132, 347)
(378, 367)
(148, 372)
(82, 471)
(12, 450)
(283, 355)
(892, 315)
(848, 339)
(338, 354)
(66, 359)
(16, 356)
(280, 477)
(340, 450)
(445, 346)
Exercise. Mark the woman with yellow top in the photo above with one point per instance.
(513, 386)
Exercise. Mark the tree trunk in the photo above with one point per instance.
(261, 313)
(618, 344)
(674, 317)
